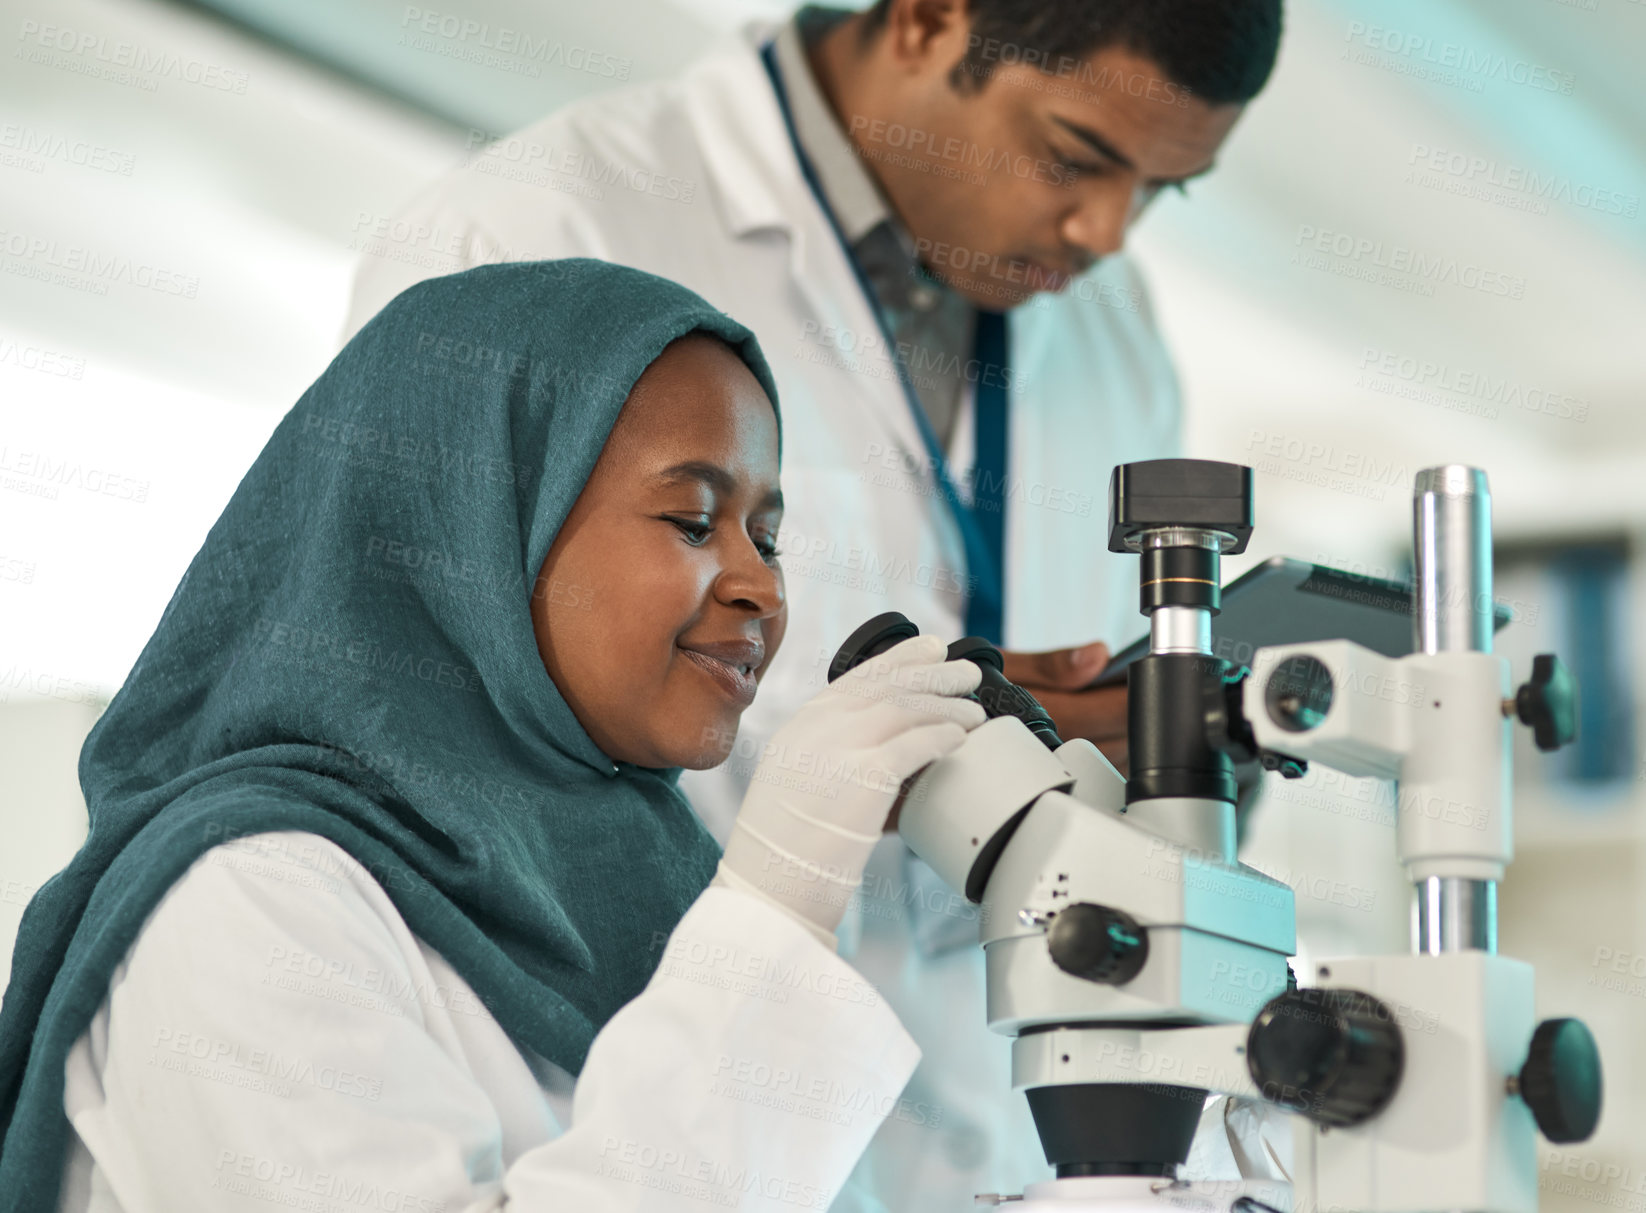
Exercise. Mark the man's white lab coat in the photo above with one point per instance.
(695, 179)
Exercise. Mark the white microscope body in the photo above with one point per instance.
(1138, 966)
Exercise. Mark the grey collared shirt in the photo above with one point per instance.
(934, 328)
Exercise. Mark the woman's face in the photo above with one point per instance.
(661, 602)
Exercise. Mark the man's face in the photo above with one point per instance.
(1014, 187)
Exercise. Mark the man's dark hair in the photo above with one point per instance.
(1222, 51)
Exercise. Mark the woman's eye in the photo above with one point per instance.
(696, 533)
(768, 552)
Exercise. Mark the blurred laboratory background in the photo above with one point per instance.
(252, 182)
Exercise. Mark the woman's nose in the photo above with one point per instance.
(751, 582)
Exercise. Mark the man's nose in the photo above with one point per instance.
(1098, 224)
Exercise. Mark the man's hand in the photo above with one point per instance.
(1058, 679)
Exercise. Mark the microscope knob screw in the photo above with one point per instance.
(1560, 1081)
(1097, 943)
(1289, 768)
(1332, 1055)
(1548, 703)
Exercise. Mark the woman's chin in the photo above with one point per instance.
(709, 748)
(702, 760)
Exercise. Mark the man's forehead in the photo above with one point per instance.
(1130, 104)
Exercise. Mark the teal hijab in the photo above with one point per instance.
(351, 654)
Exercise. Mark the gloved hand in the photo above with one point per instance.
(820, 796)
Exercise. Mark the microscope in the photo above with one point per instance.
(1139, 968)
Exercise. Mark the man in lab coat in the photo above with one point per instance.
(919, 209)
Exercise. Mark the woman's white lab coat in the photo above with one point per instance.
(694, 179)
(277, 1037)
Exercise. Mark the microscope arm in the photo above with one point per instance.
(1333, 702)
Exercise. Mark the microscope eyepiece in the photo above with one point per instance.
(998, 694)
(870, 640)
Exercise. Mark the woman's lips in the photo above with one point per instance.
(739, 686)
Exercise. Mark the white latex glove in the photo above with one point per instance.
(818, 801)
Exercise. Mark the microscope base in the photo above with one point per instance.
(1131, 1194)
(1452, 1137)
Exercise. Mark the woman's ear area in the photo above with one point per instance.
(549, 590)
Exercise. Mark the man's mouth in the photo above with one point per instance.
(1049, 277)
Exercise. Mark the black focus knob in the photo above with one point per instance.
(1334, 1056)
(1548, 703)
(1560, 1081)
(1097, 943)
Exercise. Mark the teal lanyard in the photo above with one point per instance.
(983, 524)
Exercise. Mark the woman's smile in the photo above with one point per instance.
(730, 663)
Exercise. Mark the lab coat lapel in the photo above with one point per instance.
(757, 184)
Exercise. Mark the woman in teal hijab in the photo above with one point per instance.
(507, 566)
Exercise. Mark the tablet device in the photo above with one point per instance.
(1285, 601)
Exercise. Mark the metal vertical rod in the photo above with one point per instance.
(1455, 914)
(1452, 613)
(1452, 552)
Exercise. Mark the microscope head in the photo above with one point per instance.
(1109, 907)
(1179, 516)
(1179, 494)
